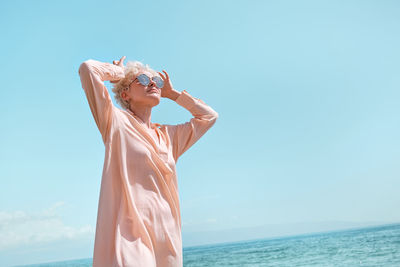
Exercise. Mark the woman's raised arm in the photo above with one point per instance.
(93, 73)
(184, 135)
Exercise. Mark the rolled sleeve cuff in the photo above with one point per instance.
(116, 72)
(186, 100)
(107, 71)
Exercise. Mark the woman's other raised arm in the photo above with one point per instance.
(93, 73)
(184, 135)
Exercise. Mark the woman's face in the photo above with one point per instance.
(140, 95)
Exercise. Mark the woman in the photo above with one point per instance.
(138, 219)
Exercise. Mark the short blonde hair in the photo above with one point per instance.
(131, 69)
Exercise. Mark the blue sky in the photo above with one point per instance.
(307, 94)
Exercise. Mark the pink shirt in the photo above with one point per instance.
(138, 219)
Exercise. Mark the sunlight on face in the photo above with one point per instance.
(139, 94)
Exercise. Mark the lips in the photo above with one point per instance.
(152, 90)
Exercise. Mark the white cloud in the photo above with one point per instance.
(22, 228)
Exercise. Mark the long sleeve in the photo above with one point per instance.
(93, 73)
(186, 134)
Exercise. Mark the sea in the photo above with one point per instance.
(372, 246)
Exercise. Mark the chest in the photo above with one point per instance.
(156, 136)
(142, 144)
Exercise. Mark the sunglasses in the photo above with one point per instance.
(145, 80)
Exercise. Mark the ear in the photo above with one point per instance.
(124, 96)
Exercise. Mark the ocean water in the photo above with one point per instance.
(374, 246)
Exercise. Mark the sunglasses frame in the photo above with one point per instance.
(143, 78)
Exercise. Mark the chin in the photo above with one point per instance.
(155, 101)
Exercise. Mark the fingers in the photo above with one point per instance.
(165, 77)
(122, 59)
(119, 62)
(162, 75)
(166, 74)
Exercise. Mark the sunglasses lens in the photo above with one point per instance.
(143, 79)
(159, 82)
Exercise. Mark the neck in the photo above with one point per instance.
(143, 112)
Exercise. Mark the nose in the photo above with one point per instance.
(152, 83)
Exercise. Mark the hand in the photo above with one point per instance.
(119, 63)
(167, 90)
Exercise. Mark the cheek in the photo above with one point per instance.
(137, 93)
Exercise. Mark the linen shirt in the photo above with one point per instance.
(138, 218)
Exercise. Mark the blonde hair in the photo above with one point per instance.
(131, 69)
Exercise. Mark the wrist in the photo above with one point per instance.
(174, 95)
